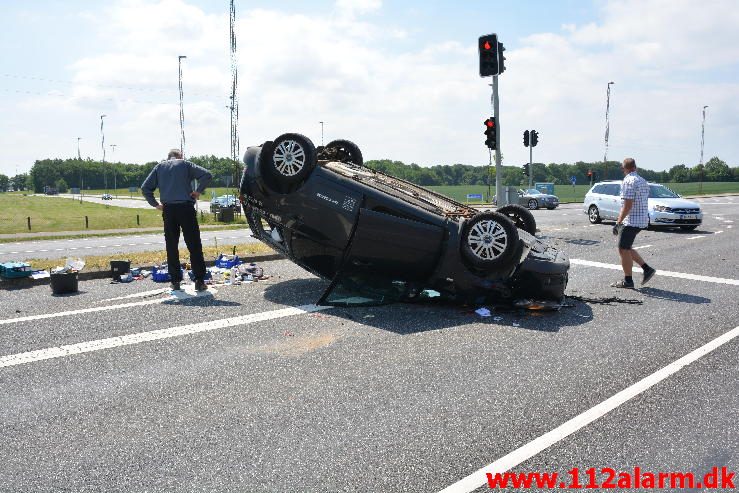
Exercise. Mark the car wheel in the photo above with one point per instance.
(291, 159)
(347, 151)
(533, 204)
(489, 240)
(688, 228)
(520, 216)
(552, 208)
(594, 215)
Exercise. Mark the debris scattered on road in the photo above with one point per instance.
(483, 312)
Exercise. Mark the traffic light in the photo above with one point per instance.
(590, 172)
(501, 58)
(488, 48)
(526, 138)
(526, 169)
(534, 138)
(490, 133)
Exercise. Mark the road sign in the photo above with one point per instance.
(474, 196)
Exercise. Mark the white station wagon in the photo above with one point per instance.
(666, 208)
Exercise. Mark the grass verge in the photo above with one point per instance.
(49, 214)
(137, 259)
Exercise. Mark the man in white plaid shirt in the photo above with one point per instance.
(634, 217)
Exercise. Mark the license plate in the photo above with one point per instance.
(688, 216)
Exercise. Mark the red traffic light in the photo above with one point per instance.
(487, 45)
(490, 123)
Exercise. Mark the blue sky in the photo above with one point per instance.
(398, 78)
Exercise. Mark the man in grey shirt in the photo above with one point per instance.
(174, 179)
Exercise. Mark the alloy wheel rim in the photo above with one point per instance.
(289, 158)
(487, 240)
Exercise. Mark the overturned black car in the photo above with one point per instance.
(380, 239)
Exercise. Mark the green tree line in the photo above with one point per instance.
(558, 173)
(65, 173)
(96, 175)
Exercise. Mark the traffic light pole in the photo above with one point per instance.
(531, 165)
(494, 101)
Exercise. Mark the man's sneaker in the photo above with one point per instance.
(175, 286)
(200, 285)
(623, 284)
(648, 274)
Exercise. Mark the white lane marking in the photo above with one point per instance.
(664, 273)
(718, 232)
(78, 312)
(117, 245)
(728, 221)
(729, 227)
(43, 250)
(58, 249)
(154, 335)
(695, 237)
(29, 251)
(143, 294)
(643, 246)
(87, 247)
(14, 253)
(529, 450)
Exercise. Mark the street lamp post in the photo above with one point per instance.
(115, 183)
(79, 155)
(321, 132)
(608, 129)
(703, 131)
(102, 145)
(182, 112)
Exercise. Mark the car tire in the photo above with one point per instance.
(552, 208)
(533, 204)
(689, 228)
(520, 216)
(594, 215)
(290, 159)
(489, 241)
(349, 151)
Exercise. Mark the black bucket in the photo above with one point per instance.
(64, 283)
(119, 267)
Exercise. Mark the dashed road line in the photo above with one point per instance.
(534, 447)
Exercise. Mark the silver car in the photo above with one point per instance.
(533, 199)
(666, 208)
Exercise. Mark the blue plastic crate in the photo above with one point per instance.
(228, 261)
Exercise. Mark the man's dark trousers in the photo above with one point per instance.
(183, 216)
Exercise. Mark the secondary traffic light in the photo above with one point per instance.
(490, 140)
(534, 138)
(488, 48)
(526, 138)
(526, 169)
(501, 58)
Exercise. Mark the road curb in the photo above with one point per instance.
(27, 282)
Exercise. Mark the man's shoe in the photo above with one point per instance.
(648, 274)
(623, 284)
(200, 285)
(175, 286)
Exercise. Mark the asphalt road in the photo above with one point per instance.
(113, 245)
(240, 391)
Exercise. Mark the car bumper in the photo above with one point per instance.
(657, 218)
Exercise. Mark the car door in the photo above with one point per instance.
(611, 201)
(386, 254)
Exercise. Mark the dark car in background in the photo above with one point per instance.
(224, 202)
(380, 239)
